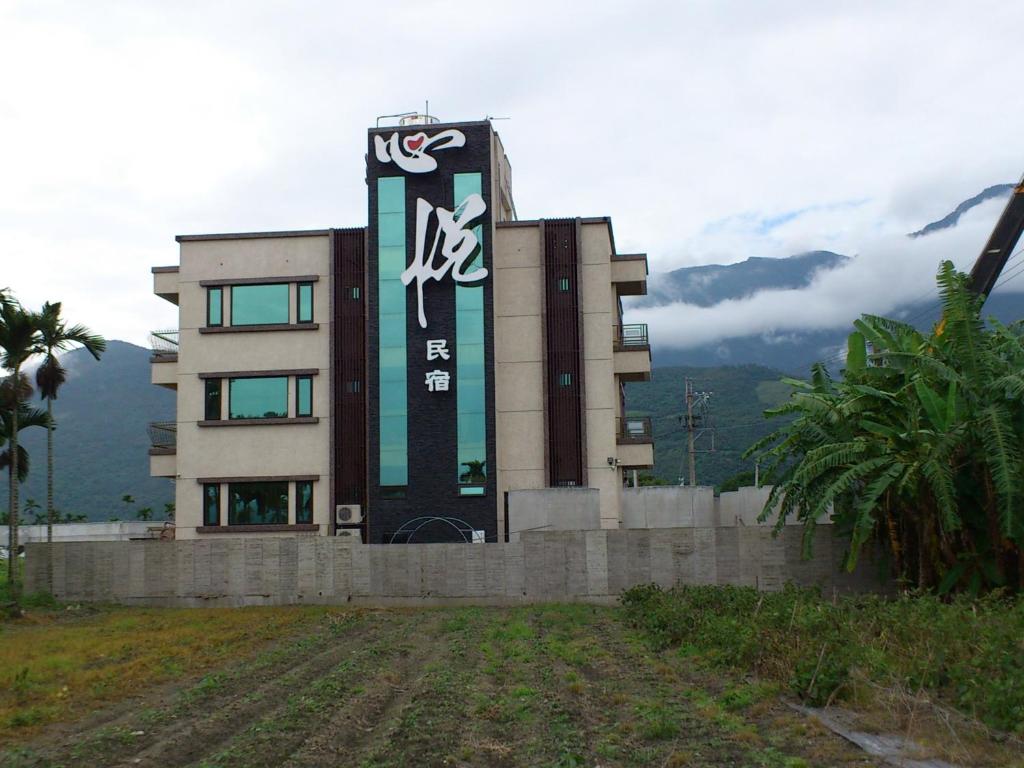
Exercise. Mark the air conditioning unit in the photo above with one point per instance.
(354, 535)
(348, 514)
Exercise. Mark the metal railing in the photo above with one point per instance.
(629, 337)
(634, 429)
(163, 435)
(164, 344)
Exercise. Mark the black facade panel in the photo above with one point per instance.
(349, 380)
(433, 469)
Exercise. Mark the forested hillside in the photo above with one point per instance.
(101, 445)
(741, 393)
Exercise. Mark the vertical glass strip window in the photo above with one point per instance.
(214, 306)
(394, 406)
(304, 396)
(304, 303)
(212, 411)
(211, 504)
(303, 502)
(470, 369)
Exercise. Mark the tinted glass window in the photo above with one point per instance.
(391, 330)
(259, 304)
(213, 411)
(214, 306)
(304, 309)
(258, 503)
(303, 396)
(262, 398)
(211, 504)
(303, 502)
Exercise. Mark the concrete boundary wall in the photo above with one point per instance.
(543, 566)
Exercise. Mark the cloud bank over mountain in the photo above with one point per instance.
(886, 273)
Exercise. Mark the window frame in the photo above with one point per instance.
(231, 380)
(208, 385)
(206, 506)
(300, 305)
(298, 396)
(209, 306)
(231, 522)
(300, 514)
(246, 286)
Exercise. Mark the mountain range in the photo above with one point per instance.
(794, 350)
(101, 447)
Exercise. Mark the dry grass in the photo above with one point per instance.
(57, 666)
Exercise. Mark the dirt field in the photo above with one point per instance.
(535, 686)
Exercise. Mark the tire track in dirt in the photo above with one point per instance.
(177, 729)
(173, 700)
(427, 725)
(234, 722)
(349, 730)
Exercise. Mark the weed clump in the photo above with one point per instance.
(966, 651)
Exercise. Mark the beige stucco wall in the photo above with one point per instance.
(600, 314)
(519, 363)
(251, 451)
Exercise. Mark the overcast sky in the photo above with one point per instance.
(709, 131)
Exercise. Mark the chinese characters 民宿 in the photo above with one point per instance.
(438, 380)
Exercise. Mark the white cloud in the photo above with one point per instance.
(123, 124)
(888, 270)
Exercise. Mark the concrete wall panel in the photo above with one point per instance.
(546, 565)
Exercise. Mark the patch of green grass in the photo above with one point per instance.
(966, 650)
(57, 669)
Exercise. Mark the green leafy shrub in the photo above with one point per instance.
(969, 652)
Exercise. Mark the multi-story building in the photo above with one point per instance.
(406, 374)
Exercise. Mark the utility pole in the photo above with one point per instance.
(691, 450)
(697, 421)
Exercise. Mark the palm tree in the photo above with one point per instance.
(56, 337)
(27, 417)
(475, 472)
(917, 447)
(19, 340)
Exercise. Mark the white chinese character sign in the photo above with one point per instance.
(437, 349)
(413, 153)
(458, 245)
(437, 381)
(428, 269)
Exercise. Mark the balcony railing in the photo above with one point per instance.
(635, 429)
(163, 436)
(631, 337)
(164, 345)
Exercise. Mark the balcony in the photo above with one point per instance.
(635, 438)
(629, 273)
(165, 283)
(632, 352)
(163, 346)
(163, 442)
